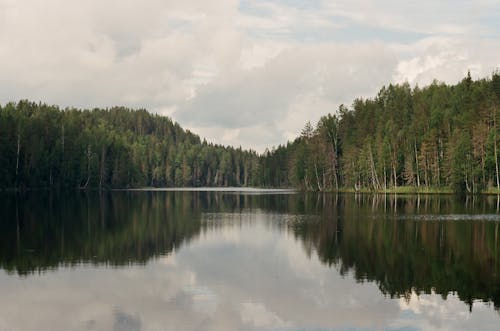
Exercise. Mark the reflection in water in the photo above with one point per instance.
(198, 244)
(387, 241)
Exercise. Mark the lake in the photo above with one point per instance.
(251, 260)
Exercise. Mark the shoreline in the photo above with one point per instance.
(270, 190)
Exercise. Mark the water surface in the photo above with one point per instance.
(174, 260)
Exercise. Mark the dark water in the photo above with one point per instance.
(232, 261)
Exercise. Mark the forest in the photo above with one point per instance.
(435, 138)
(43, 146)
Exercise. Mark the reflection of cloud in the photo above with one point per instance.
(431, 312)
(203, 299)
(258, 316)
(262, 280)
(126, 322)
(416, 303)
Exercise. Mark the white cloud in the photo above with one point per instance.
(446, 59)
(230, 68)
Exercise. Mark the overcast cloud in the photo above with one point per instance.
(247, 73)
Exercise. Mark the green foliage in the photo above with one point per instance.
(43, 146)
(435, 137)
(438, 136)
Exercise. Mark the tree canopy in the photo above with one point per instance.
(438, 136)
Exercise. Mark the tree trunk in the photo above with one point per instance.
(238, 170)
(216, 178)
(18, 154)
(62, 140)
(317, 177)
(89, 157)
(334, 159)
(375, 181)
(101, 172)
(416, 163)
(385, 177)
(395, 174)
(438, 173)
(495, 145)
(245, 174)
(496, 157)
(467, 186)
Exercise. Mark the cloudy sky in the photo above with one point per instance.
(248, 72)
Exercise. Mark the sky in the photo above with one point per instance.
(245, 73)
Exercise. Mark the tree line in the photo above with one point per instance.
(436, 137)
(44, 146)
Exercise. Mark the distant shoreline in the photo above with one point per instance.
(257, 190)
(212, 189)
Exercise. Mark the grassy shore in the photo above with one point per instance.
(405, 190)
(414, 190)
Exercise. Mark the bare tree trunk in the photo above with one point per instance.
(306, 181)
(495, 145)
(245, 175)
(385, 177)
(334, 162)
(438, 173)
(395, 174)
(416, 163)
(375, 181)
(334, 143)
(483, 172)
(317, 177)
(496, 157)
(440, 158)
(89, 157)
(467, 186)
(216, 178)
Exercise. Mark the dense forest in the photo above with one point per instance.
(438, 137)
(44, 146)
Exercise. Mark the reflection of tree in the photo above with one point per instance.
(120, 228)
(396, 243)
(39, 231)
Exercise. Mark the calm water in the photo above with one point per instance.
(248, 261)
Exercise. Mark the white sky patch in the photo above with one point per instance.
(257, 315)
(204, 71)
(232, 66)
(258, 54)
(445, 59)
